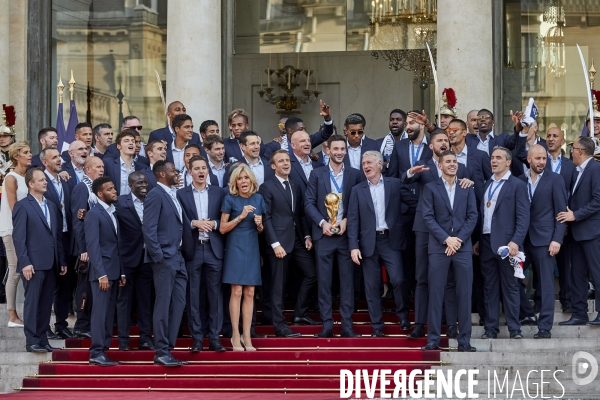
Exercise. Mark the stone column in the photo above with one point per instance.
(464, 53)
(4, 51)
(194, 57)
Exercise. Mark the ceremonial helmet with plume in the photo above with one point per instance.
(595, 100)
(8, 120)
(449, 103)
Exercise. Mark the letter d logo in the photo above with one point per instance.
(583, 363)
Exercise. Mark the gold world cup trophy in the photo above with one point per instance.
(332, 204)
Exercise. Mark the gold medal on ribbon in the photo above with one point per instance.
(489, 204)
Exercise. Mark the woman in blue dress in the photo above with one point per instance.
(241, 219)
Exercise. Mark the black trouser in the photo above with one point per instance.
(543, 264)
(63, 294)
(408, 262)
(85, 298)
(563, 262)
(585, 258)
(37, 308)
(138, 288)
(103, 317)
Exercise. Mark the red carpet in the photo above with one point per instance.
(305, 365)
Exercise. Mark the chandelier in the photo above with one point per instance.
(287, 79)
(553, 43)
(399, 32)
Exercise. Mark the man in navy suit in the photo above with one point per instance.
(74, 166)
(301, 164)
(82, 198)
(133, 124)
(201, 204)
(450, 214)
(130, 215)
(103, 137)
(237, 120)
(164, 221)
(208, 128)
(59, 192)
(486, 140)
(119, 168)
(250, 145)
(287, 239)
(375, 236)
(338, 179)
(215, 150)
(167, 134)
(156, 151)
(295, 124)
(358, 143)
(106, 272)
(183, 127)
(548, 198)
(584, 216)
(397, 125)
(37, 235)
(48, 137)
(83, 132)
(422, 173)
(505, 215)
(408, 151)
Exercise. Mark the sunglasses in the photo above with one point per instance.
(354, 133)
(453, 130)
(136, 127)
(480, 117)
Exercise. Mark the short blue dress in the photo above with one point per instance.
(242, 256)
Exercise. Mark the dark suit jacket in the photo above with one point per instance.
(269, 172)
(163, 230)
(279, 221)
(567, 170)
(319, 185)
(112, 169)
(131, 239)
(52, 195)
(549, 199)
(361, 217)
(35, 242)
(443, 220)
(79, 200)
(510, 220)
(113, 152)
(233, 150)
(297, 172)
(315, 139)
(104, 254)
(367, 145)
(479, 169)
(585, 203)
(68, 167)
(166, 135)
(36, 162)
(519, 162)
(505, 139)
(422, 179)
(400, 159)
(150, 177)
(215, 198)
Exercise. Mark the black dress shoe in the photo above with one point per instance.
(405, 324)
(466, 349)
(566, 307)
(36, 348)
(215, 345)
(542, 334)
(306, 321)
(197, 347)
(146, 346)
(124, 347)
(287, 332)
(325, 333)
(349, 333)
(255, 335)
(167, 361)
(531, 320)
(452, 332)
(418, 332)
(103, 361)
(377, 333)
(516, 335)
(50, 348)
(574, 321)
(65, 333)
(595, 322)
(83, 335)
(52, 336)
(489, 334)
(430, 346)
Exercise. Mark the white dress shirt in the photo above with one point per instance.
(489, 211)
(378, 197)
(61, 197)
(307, 167)
(111, 212)
(171, 192)
(485, 145)
(463, 155)
(354, 155)
(580, 170)
(219, 172)
(258, 169)
(201, 200)
(178, 156)
(139, 207)
(124, 184)
(78, 172)
(417, 150)
(531, 186)
(451, 191)
(555, 165)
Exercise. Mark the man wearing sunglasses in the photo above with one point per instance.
(486, 140)
(357, 142)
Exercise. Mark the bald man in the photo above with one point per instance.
(547, 197)
(302, 164)
(167, 133)
(472, 122)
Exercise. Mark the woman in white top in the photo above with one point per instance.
(13, 190)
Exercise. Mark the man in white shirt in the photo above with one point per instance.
(215, 149)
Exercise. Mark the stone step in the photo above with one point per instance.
(558, 317)
(584, 331)
(553, 358)
(590, 345)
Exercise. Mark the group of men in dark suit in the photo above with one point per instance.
(440, 213)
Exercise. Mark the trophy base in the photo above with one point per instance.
(335, 230)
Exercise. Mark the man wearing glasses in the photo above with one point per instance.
(486, 140)
(132, 123)
(357, 142)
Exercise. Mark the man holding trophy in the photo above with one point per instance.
(326, 200)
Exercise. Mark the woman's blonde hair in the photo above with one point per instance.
(235, 175)
(15, 149)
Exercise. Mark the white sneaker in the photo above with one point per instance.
(14, 325)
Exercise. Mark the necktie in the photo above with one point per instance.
(177, 205)
(288, 192)
(46, 213)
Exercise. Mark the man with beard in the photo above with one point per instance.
(302, 164)
(486, 140)
(397, 125)
(337, 179)
(423, 173)
(103, 134)
(472, 122)
(48, 137)
(167, 134)
(548, 197)
(130, 214)
(83, 132)
(78, 154)
(209, 128)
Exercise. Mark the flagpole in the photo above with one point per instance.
(72, 85)
(61, 89)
